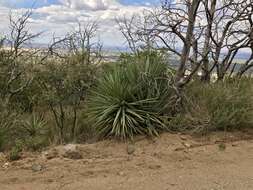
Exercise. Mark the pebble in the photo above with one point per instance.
(6, 165)
(179, 149)
(183, 138)
(74, 155)
(50, 154)
(153, 167)
(130, 149)
(187, 145)
(71, 151)
(121, 173)
(36, 167)
(235, 145)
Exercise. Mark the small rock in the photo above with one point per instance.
(234, 145)
(70, 147)
(50, 154)
(130, 149)
(90, 161)
(183, 138)
(187, 145)
(71, 151)
(6, 165)
(153, 167)
(75, 155)
(49, 180)
(173, 184)
(121, 173)
(179, 149)
(36, 167)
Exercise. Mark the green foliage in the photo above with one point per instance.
(34, 133)
(85, 130)
(222, 147)
(2, 138)
(14, 154)
(64, 87)
(27, 133)
(35, 126)
(8, 125)
(130, 98)
(219, 106)
(27, 100)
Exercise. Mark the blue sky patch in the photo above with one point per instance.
(42, 3)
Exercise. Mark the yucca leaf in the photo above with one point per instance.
(129, 98)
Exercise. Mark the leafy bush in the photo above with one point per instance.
(226, 105)
(130, 98)
(64, 87)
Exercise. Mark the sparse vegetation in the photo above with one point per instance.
(219, 106)
(68, 93)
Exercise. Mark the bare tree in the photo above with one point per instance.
(12, 71)
(175, 25)
(69, 72)
(230, 34)
(203, 34)
(20, 35)
(81, 42)
(135, 30)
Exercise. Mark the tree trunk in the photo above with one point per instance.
(210, 14)
(193, 7)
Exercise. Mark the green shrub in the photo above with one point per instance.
(15, 153)
(2, 138)
(65, 86)
(28, 99)
(130, 98)
(34, 126)
(85, 131)
(34, 133)
(9, 121)
(15, 150)
(225, 105)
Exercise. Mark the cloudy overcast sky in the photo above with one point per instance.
(59, 16)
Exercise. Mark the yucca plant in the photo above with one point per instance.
(129, 99)
(34, 126)
(35, 133)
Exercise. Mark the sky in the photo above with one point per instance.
(57, 17)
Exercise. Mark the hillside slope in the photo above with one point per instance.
(171, 162)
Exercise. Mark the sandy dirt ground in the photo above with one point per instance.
(171, 162)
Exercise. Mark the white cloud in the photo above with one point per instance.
(59, 19)
(94, 5)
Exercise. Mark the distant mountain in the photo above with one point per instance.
(117, 49)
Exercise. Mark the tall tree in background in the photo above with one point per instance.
(205, 35)
(14, 78)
